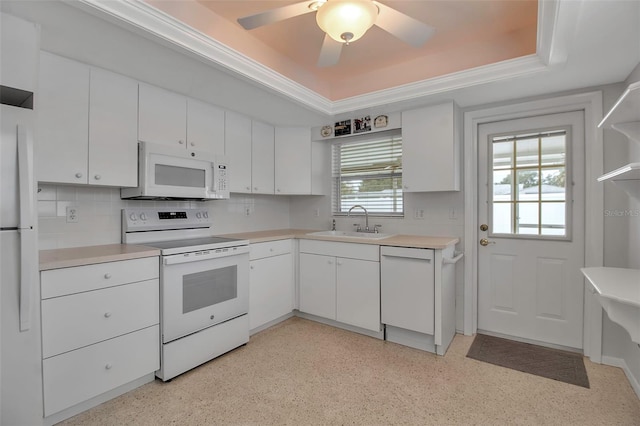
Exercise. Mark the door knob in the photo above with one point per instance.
(485, 242)
(484, 227)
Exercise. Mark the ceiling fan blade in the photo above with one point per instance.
(275, 15)
(404, 27)
(330, 52)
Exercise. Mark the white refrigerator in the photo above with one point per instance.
(20, 345)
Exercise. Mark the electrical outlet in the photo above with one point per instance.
(72, 214)
(316, 212)
(247, 211)
(418, 214)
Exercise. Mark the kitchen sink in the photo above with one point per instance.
(352, 234)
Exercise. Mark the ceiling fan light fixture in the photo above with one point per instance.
(346, 20)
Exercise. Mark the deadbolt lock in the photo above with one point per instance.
(484, 227)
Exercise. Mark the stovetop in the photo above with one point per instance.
(195, 244)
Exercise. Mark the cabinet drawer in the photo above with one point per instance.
(77, 376)
(82, 319)
(60, 282)
(339, 249)
(268, 249)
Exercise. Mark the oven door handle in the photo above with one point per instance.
(204, 255)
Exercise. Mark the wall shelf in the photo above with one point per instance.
(618, 292)
(626, 177)
(624, 116)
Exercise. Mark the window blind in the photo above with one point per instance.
(368, 173)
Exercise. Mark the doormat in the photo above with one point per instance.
(553, 364)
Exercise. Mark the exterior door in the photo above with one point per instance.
(531, 216)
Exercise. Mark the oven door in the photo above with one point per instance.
(201, 289)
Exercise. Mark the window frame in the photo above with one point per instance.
(568, 211)
(336, 180)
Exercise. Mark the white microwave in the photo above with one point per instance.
(166, 172)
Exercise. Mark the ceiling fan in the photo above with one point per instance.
(345, 21)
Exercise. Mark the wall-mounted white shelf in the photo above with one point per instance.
(624, 116)
(618, 292)
(627, 177)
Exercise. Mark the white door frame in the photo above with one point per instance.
(591, 104)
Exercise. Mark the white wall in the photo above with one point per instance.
(100, 223)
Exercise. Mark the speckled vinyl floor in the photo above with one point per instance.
(300, 372)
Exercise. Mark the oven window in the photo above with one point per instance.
(179, 176)
(209, 288)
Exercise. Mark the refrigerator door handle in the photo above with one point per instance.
(26, 178)
(28, 275)
(28, 243)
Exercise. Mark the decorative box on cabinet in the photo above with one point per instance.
(431, 149)
(87, 125)
(341, 282)
(100, 329)
(271, 283)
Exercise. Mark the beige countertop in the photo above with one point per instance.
(79, 256)
(414, 241)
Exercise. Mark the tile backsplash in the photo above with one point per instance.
(98, 212)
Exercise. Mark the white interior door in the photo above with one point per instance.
(531, 216)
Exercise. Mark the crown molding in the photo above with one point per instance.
(149, 21)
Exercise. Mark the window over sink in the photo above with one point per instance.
(368, 172)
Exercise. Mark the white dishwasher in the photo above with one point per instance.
(407, 288)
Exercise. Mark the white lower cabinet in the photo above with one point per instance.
(341, 282)
(100, 329)
(271, 282)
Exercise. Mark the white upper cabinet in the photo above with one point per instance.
(87, 125)
(262, 161)
(431, 149)
(237, 147)
(113, 129)
(162, 117)
(172, 119)
(62, 105)
(299, 162)
(205, 127)
(19, 44)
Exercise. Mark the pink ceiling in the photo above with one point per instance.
(469, 34)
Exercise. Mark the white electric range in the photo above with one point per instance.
(204, 285)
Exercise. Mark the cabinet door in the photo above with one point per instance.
(205, 127)
(318, 285)
(262, 161)
(293, 160)
(271, 289)
(20, 41)
(162, 116)
(237, 147)
(430, 149)
(358, 293)
(61, 150)
(113, 130)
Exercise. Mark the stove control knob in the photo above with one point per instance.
(143, 216)
(199, 215)
(205, 214)
(133, 217)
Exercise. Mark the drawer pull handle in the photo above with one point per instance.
(271, 249)
(107, 314)
(107, 276)
(108, 367)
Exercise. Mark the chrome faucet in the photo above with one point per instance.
(366, 217)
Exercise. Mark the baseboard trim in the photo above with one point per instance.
(621, 363)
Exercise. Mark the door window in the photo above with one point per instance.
(530, 190)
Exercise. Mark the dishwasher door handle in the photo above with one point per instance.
(411, 253)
